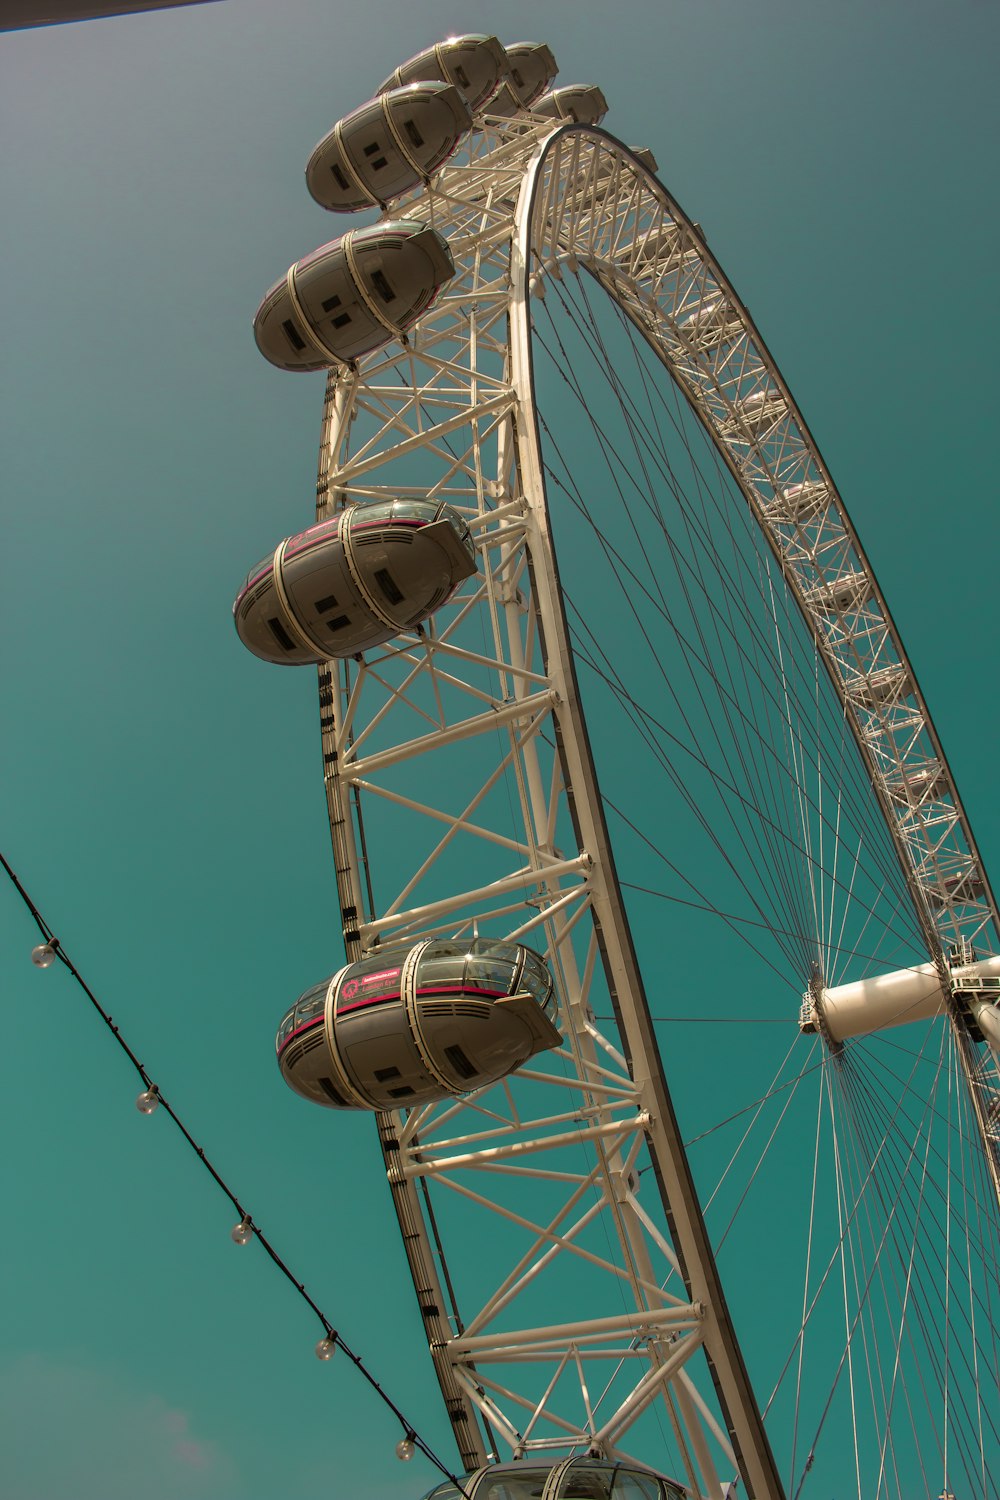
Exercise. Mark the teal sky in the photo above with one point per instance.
(161, 790)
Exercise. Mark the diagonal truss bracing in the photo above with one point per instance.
(595, 1304)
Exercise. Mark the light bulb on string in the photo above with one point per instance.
(326, 1348)
(44, 954)
(148, 1101)
(241, 1233)
(406, 1447)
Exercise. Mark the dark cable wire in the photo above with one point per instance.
(330, 1332)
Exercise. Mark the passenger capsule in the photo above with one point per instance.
(799, 503)
(355, 581)
(755, 414)
(919, 784)
(955, 890)
(387, 146)
(889, 685)
(838, 595)
(412, 1023)
(645, 158)
(711, 325)
(567, 1479)
(476, 64)
(531, 67)
(578, 103)
(352, 295)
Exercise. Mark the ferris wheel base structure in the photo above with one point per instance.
(429, 596)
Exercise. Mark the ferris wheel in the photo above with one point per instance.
(747, 866)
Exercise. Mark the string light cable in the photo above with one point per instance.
(152, 1098)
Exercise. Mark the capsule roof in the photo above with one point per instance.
(475, 63)
(566, 1479)
(387, 146)
(578, 103)
(352, 295)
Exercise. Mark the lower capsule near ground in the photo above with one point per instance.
(414, 1023)
(352, 295)
(566, 1479)
(475, 63)
(355, 581)
(387, 146)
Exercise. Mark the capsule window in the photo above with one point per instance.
(341, 321)
(463, 1067)
(340, 177)
(326, 1084)
(515, 73)
(323, 606)
(292, 333)
(372, 148)
(388, 585)
(330, 304)
(400, 1093)
(462, 76)
(414, 134)
(378, 164)
(382, 286)
(382, 1074)
(338, 623)
(281, 635)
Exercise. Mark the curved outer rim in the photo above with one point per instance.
(935, 939)
(680, 1200)
(676, 213)
(339, 398)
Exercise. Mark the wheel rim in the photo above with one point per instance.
(456, 365)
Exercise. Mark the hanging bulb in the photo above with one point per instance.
(44, 955)
(241, 1233)
(405, 1448)
(326, 1348)
(148, 1101)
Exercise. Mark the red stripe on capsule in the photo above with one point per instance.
(306, 1026)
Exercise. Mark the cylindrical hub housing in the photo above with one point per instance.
(413, 1023)
(886, 1000)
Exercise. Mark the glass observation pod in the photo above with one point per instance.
(571, 1479)
(603, 168)
(799, 504)
(417, 1022)
(476, 64)
(531, 67)
(387, 146)
(352, 295)
(576, 103)
(355, 581)
(756, 414)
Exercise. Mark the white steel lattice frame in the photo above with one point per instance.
(454, 405)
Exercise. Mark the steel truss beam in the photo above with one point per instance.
(473, 724)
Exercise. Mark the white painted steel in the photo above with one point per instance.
(450, 413)
(898, 999)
